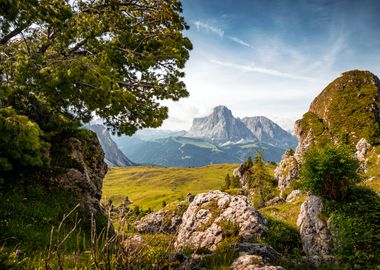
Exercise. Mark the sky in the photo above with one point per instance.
(272, 57)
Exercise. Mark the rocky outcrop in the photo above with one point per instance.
(314, 230)
(293, 195)
(80, 169)
(243, 174)
(203, 222)
(362, 148)
(287, 170)
(347, 110)
(166, 220)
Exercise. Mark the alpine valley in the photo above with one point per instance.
(217, 138)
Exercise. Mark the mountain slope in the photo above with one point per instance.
(113, 155)
(269, 132)
(221, 126)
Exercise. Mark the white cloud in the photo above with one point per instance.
(201, 25)
(267, 71)
(241, 42)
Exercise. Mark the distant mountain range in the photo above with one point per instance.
(217, 138)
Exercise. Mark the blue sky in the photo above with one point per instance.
(272, 57)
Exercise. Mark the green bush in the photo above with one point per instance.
(356, 228)
(329, 171)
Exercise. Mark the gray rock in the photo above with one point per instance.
(315, 232)
(201, 223)
(362, 148)
(276, 200)
(294, 194)
(252, 262)
(287, 170)
(162, 221)
(268, 254)
(85, 179)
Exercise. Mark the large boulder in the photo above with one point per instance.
(314, 229)
(202, 223)
(243, 174)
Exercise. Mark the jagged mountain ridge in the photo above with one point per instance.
(267, 131)
(221, 126)
(113, 155)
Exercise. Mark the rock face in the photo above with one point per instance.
(113, 155)
(221, 126)
(202, 223)
(82, 169)
(269, 132)
(315, 232)
(287, 170)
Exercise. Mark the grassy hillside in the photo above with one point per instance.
(150, 186)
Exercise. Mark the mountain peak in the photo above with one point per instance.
(221, 126)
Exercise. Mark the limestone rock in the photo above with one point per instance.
(81, 170)
(315, 232)
(202, 222)
(166, 220)
(252, 262)
(287, 170)
(243, 174)
(265, 251)
(294, 194)
(276, 200)
(362, 148)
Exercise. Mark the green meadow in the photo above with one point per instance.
(149, 187)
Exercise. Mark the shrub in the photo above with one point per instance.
(329, 171)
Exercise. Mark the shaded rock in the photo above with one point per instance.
(243, 174)
(80, 169)
(202, 222)
(294, 194)
(287, 170)
(315, 232)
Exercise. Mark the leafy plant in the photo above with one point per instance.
(329, 171)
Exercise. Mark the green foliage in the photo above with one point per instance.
(347, 110)
(21, 141)
(64, 61)
(235, 182)
(261, 182)
(283, 238)
(355, 228)
(227, 182)
(329, 171)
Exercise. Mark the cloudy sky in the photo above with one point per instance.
(272, 57)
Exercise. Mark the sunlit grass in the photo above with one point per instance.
(148, 187)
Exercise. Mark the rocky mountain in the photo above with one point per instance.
(221, 126)
(217, 138)
(347, 111)
(267, 131)
(113, 155)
